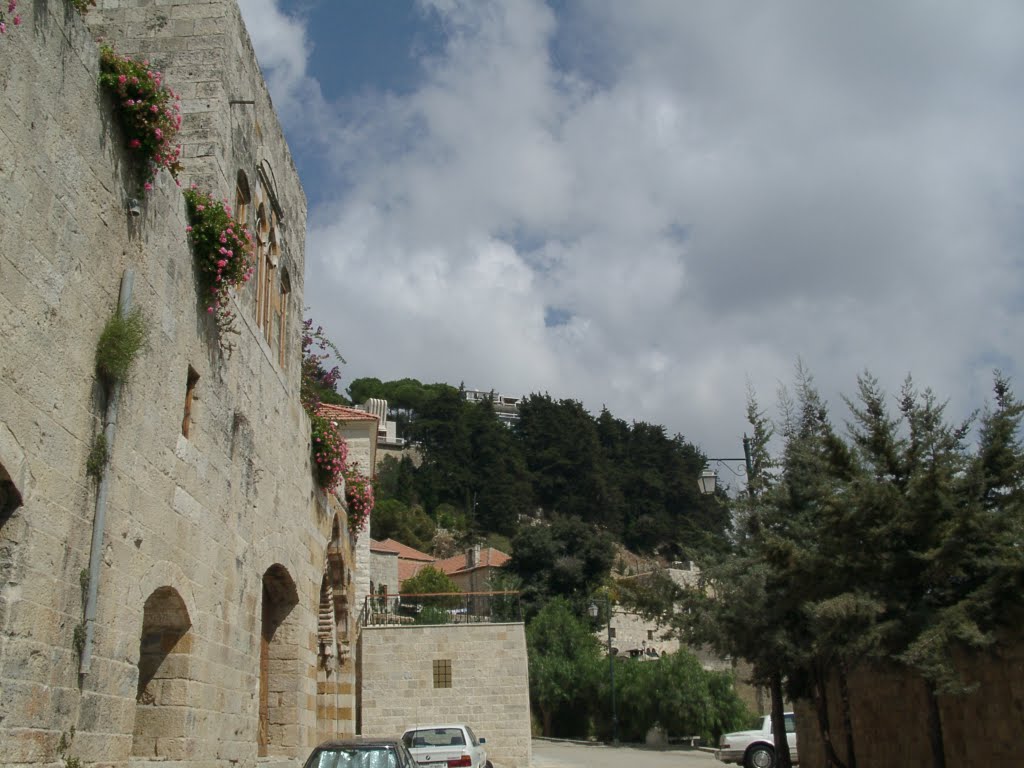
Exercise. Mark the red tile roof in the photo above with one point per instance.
(404, 552)
(489, 558)
(409, 568)
(412, 561)
(376, 546)
(343, 413)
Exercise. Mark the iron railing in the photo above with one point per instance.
(440, 608)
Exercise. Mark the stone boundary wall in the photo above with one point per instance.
(890, 716)
(489, 683)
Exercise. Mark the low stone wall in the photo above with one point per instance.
(488, 677)
(889, 714)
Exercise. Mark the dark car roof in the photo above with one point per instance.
(361, 741)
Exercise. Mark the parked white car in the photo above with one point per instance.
(756, 748)
(453, 745)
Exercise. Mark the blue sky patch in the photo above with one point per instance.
(556, 316)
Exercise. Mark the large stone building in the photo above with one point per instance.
(190, 603)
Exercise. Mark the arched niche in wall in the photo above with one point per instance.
(10, 496)
(13, 524)
(12, 474)
(162, 701)
(335, 592)
(280, 648)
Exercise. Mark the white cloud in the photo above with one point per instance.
(705, 191)
(283, 45)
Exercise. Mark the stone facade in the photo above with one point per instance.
(405, 681)
(383, 570)
(359, 430)
(889, 714)
(640, 638)
(223, 579)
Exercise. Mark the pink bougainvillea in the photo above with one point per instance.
(148, 111)
(222, 248)
(12, 6)
(329, 453)
(359, 498)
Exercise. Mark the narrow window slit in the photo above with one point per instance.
(190, 393)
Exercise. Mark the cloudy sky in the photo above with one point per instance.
(649, 204)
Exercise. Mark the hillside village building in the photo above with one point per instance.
(644, 639)
(506, 407)
(219, 631)
(471, 571)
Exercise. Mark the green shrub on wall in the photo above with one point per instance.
(122, 338)
(98, 457)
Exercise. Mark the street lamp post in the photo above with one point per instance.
(708, 479)
(707, 482)
(595, 612)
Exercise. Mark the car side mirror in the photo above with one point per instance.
(483, 741)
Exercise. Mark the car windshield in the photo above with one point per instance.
(434, 737)
(354, 757)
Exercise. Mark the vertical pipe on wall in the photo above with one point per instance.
(124, 302)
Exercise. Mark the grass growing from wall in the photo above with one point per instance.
(99, 454)
(122, 339)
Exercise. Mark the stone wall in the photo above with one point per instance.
(215, 546)
(489, 683)
(384, 571)
(889, 715)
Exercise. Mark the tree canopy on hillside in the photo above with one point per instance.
(632, 481)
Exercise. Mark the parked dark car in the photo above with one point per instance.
(361, 752)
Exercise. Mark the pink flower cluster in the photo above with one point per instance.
(222, 248)
(16, 19)
(359, 498)
(316, 379)
(149, 112)
(329, 452)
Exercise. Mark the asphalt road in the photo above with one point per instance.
(561, 754)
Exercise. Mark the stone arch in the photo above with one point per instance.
(10, 496)
(13, 474)
(243, 197)
(279, 671)
(266, 267)
(165, 573)
(265, 173)
(326, 642)
(162, 711)
(14, 478)
(336, 581)
(281, 310)
(261, 236)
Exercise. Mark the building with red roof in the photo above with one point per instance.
(471, 571)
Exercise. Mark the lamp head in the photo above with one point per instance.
(707, 481)
(133, 207)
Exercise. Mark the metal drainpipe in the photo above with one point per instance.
(124, 302)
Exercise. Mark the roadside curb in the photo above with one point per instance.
(630, 744)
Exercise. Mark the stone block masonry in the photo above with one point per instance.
(488, 687)
(215, 556)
